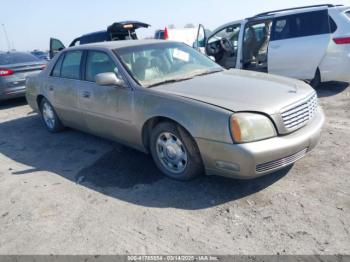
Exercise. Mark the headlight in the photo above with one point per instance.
(248, 127)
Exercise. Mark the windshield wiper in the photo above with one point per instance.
(210, 72)
(170, 81)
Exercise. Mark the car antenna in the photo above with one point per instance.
(7, 38)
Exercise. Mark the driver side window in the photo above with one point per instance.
(231, 33)
(98, 62)
(223, 46)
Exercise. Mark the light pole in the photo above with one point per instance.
(7, 38)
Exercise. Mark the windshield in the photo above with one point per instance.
(16, 58)
(153, 64)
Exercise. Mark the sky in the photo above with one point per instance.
(30, 23)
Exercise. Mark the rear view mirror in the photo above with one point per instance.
(109, 79)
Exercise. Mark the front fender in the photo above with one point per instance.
(201, 120)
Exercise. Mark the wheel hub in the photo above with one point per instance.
(171, 152)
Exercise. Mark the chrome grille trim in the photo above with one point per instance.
(281, 162)
(298, 115)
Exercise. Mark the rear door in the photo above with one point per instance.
(63, 85)
(55, 47)
(298, 44)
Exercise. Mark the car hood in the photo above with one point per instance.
(239, 90)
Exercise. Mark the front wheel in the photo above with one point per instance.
(175, 152)
(49, 116)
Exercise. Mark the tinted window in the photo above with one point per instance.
(71, 65)
(300, 25)
(96, 63)
(57, 69)
(94, 37)
(332, 25)
(348, 13)
(16, 58)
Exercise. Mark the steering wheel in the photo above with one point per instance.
(227, 45)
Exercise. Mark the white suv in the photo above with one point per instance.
(310, 43)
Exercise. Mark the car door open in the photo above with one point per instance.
(200, 42)
(298, 44)
(55, 47)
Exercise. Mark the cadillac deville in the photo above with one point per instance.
(165, 98)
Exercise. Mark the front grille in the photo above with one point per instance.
(297, 116)
(281, 162)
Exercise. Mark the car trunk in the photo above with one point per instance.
(20, 72)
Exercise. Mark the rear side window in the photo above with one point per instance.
(300, 25)
(57, 69)
(71, 65)
(98, 62)
(332, 25)
(347, 13)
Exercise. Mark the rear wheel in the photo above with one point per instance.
(175, 152)
(49, 116)
(317, 79)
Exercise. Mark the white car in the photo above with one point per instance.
(309, 43)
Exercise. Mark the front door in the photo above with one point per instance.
(55, 47)
(107, 110)
(298, 44)
(224, 46)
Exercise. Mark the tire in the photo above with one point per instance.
(175, 152)
(49, 117)
(317, 79)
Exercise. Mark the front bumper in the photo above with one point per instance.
(255, 159)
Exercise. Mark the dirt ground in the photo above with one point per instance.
(73, 193)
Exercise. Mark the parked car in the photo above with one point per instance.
(41, 55)
(308, 43)
(14, 68)
(124, 30)
(192, 115)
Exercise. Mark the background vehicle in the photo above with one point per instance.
(184, 35)
(310, 43)
(41, 55)
(159, 34)
(14, 68)
(193, 116)
(117, 31)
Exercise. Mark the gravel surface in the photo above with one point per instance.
(73, 193)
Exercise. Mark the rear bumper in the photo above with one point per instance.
(335, 66)
(255, 159)
(13, 92)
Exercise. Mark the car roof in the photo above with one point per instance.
(119, 44)
(294, 10)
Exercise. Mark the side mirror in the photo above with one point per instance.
(109, 79)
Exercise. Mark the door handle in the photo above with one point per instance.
(86, 94)
(51, 88)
